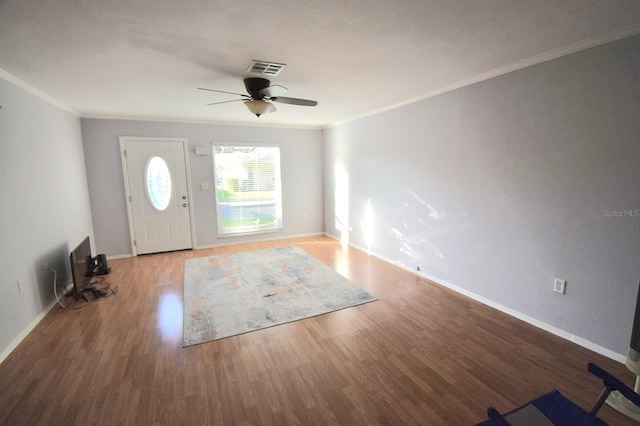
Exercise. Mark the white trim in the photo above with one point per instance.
(127, 194)
(278, 203)
(28, 329)
(192, 218)
(234, 243)
(512, 312)
(35, 92)
(120, 256)
(527, 62)
(125, 175)
(212, 122)
(231, 243)
(514, 66)
(537, 323)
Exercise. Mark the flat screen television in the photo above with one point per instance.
(81, 267)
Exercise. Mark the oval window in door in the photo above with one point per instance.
(158, 183)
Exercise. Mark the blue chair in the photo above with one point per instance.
(555, 409)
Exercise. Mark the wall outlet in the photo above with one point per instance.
(418, 268)
(559, 286)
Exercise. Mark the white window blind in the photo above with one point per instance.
(248, 190)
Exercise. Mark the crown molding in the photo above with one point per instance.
(527, 62)
(35, 92)
(187, 121)
(514, 66)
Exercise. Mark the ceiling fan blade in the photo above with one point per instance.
(222, 91)
(272, 91)
(226, 102)
(294, 101)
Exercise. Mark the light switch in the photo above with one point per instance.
(204, 186)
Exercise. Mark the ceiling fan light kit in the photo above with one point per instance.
(258, 107)
(260, 91)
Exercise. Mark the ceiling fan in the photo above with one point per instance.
(260, 95)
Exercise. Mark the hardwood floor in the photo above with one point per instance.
(422, 354)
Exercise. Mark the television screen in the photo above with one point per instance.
(80, 259)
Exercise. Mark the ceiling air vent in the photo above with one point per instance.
(264, 67)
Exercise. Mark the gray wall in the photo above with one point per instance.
(503, 185)
(301, 166)
(45, 207)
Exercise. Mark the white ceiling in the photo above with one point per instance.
(143, 59)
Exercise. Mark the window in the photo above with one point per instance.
(158, 183)
(248, 194)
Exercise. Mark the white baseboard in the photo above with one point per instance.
(280, 237)
(14, 344)
(230, 243)
(519, 315)
(530, 320)
(120, 256)
(20, 337)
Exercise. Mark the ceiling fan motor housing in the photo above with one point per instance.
(254, 85)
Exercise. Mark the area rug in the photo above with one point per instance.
(233, 294)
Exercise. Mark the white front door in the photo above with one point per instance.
(155, 173)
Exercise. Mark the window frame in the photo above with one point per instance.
(278, 185)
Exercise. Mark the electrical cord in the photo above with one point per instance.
(55, 286)
(95, 280)
(107, 285)
(100, 287)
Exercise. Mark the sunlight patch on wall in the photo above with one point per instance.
(341, 203)
(368, 225)
(432, 212)
(420, 227)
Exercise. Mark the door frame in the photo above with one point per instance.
(127, 193)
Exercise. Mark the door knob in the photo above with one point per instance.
(184, 197)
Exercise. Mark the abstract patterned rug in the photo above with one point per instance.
(233, 294)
